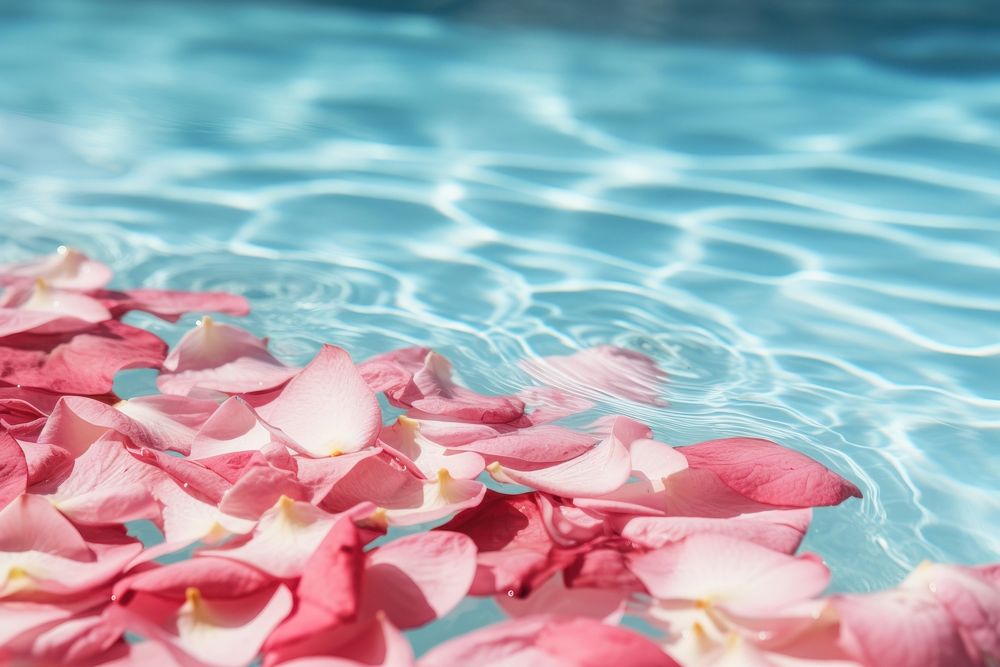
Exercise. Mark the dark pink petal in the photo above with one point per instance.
(419, 578)
(602, 370)
(372, 642)
(606, 566)
(327, 593)
(514, 547)
(13, 470)
(67, 268)
(327, 408)
(224, 358)
(170, 305)
(82, 363)
(769, 473)
(544, 641)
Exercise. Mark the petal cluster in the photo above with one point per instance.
(293, 523)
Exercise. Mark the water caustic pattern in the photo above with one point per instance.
(809, 245)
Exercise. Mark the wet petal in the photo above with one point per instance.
(224, 358)
(327, 408)
(602, 370)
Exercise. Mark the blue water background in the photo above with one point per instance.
(807, 239)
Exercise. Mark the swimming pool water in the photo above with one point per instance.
(809, 243)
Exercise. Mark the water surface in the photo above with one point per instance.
(809, 242)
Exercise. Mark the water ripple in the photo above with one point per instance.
(809, 246)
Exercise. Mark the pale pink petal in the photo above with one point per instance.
(781, 530)
(13, 470)
(549, 404)
(378, 479)
(191, 475)
(392, 371)
(67, 268)
(900, 628)
(234, 427)
(285, 537)
(45, 461)
(259, 488)
(149, 421)
(43, 309)
(78, 640)
(213, 577)
(20, 621)
(42, 553)
(186, 518)
(769, 473)
(553, 597)
(421, 379)
(600, 470)
(225, 630)
(224, 358)
(419, 578)
(533, 446)
(432, 391)
(81, 363)
(543, 641)
(652, 463)
(169, 304)
(426, 456)
(106, 484)
(321, 476)
(327, 408)
(741, 576)
(440, 497)
(972, 600)
(569, 525)
(601, 371)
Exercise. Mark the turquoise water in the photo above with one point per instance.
(808, 242)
